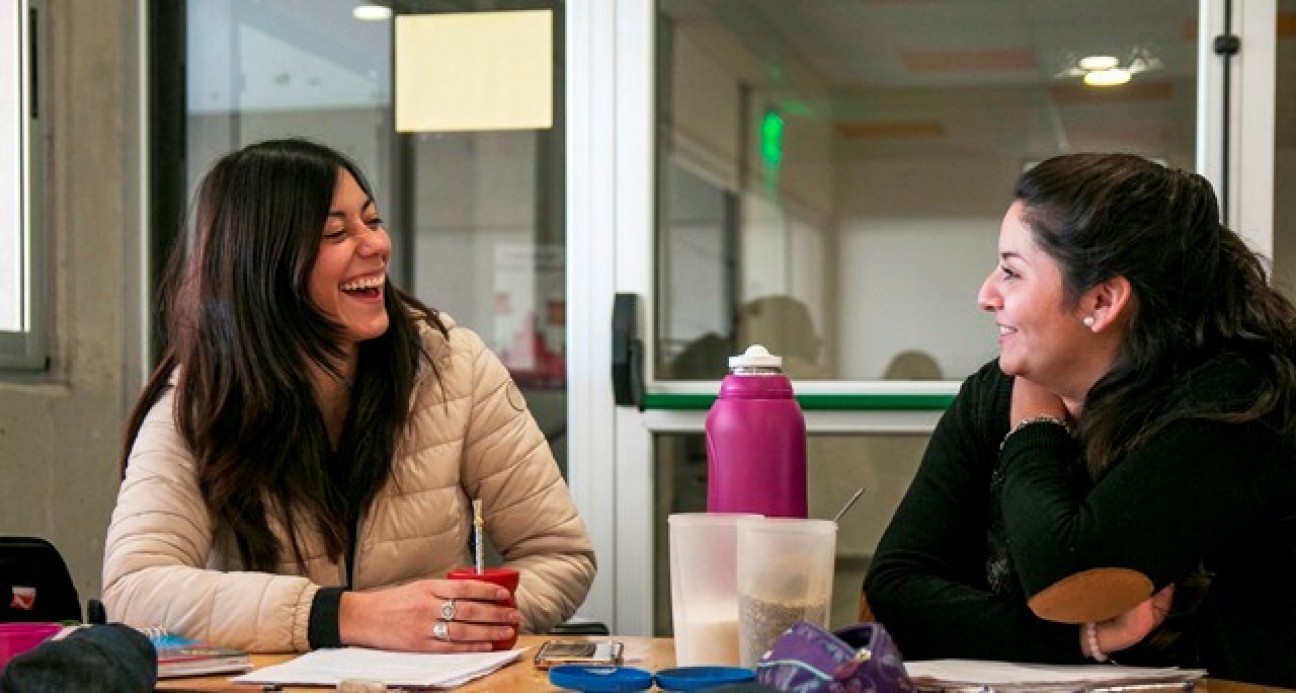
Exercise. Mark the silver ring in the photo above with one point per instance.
(448, 609)
(441, 631)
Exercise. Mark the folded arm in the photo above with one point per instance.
(928, 581)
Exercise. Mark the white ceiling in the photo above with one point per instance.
(950, 76)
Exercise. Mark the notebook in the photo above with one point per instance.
(181, 656)
(975, 675)
(419, 670)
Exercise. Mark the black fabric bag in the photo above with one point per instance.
(108, 658)
(35, 584)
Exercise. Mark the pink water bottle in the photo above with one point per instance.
(756, 441)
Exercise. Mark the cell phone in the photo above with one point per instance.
(555, 652)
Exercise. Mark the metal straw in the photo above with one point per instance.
(848, 505)
(477, 535)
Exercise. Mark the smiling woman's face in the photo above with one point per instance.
(1039, 337)
(350, 273)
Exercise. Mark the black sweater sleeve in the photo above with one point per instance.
(1183, 494)
(1196, 494)
(927, 583)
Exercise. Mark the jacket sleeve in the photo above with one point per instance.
(529, 514)
(158, 548)
(927, 582)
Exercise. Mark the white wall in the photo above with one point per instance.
(911, 284)
(1284, 266)
(916, 238)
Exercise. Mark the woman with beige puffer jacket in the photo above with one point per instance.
(299, 471)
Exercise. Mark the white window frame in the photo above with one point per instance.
(23, 346)
(1252, 104)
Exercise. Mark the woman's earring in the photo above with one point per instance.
(1088, 321)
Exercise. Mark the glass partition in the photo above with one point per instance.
(831, 176)
(477, 218)
(831, 173)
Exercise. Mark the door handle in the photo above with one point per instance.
(627, 351)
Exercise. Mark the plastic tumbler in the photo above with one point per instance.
(785, 575)
(504, 577)
(704, 587)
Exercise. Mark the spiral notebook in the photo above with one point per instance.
(181, 656)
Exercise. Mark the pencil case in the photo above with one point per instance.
(808, 658)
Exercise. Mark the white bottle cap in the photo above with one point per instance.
(756, 356)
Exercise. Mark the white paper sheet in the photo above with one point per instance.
(329, 667)
(967, 674)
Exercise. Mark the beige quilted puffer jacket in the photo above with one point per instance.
(470, 436)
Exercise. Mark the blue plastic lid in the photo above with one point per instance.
(700, 678)
(600, 679)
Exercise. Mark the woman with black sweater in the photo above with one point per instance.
(1121, 482)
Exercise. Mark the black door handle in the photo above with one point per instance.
(627, 351)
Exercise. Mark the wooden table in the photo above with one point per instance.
(645, 653)
(521, 676)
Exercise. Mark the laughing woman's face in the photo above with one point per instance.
(350, 273)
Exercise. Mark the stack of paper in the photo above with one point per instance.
(966, 674)
(414, 669)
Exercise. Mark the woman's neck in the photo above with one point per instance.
(333, 395)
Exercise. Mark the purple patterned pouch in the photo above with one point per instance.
(809, 659)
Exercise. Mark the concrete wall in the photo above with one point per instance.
(60, 432)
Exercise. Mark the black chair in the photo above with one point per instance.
(35, 584)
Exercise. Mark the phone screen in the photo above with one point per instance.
(570, 649)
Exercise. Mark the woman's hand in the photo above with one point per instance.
(1029, 399)
(1131, 627)
(403, 618)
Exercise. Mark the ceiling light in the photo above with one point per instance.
(1098, 62)
(1106, 70)
(1107, 78)
(371, 12)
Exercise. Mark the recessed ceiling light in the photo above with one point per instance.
(371, 12)
(1098, 62)
(1107, 78)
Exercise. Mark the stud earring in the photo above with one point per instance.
(1088, 321)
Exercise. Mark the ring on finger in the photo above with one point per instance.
(448, 609)
(441, 631)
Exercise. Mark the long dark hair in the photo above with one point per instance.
(241, 335)
(1198, 292)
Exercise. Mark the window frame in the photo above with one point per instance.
(26, 349)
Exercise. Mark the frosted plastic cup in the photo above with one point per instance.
(704, 587)
(17, 638)
(504, 577)
(785, 575)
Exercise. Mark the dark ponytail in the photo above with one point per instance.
(1198, 292)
